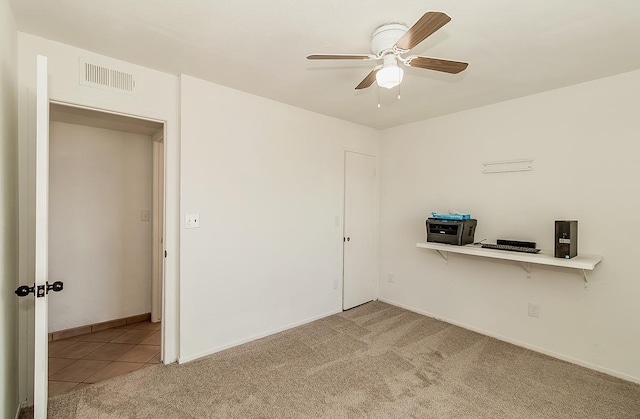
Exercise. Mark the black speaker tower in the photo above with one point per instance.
(566, 243)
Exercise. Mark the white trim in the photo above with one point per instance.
(521, 344)
(107, 111)
(182, 360)
(157, 235)
(158, 136)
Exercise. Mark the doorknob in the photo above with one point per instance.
(55, 287)
(40, 290)
(24, 290)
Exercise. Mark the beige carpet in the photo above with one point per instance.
(374, 361)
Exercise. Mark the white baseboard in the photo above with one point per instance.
(525, 345)
(193, 357)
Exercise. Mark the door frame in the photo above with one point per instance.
(26, 241)
(157, 218)
(157, 206)
(376, 262)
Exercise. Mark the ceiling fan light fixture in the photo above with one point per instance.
(390, 75)
(389, 42)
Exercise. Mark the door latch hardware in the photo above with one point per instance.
(40, 290)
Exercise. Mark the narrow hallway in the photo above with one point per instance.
(78, 361)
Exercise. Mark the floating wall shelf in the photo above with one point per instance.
(582, 262)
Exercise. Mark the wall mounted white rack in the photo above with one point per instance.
(507, 166)
(582, 262)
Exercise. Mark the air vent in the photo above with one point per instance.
(103, 77)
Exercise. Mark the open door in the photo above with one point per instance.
(41, 241)
(41, 287)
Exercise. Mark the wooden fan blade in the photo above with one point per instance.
(338, 57)
(428, 24)
(447, 66)
(369, 79)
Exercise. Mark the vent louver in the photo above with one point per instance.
(103, 77)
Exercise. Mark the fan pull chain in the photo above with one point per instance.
(378, 91)
(399, 84)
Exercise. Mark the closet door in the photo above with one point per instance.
(359, 229)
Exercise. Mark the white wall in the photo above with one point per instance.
(267, 181)
(584, 143)
(8, 211)
(99, 182)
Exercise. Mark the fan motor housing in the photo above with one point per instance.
(386, 36)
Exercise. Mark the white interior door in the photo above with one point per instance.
(41, 241)
(359, 229)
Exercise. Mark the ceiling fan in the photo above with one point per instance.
(390, 41)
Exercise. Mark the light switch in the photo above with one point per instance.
(192, 221)
(145, 215)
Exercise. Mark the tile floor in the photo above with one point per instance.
(81, 360)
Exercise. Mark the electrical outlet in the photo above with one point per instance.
(336, 283)
(391, 278)
(145, 215)
(534, 310)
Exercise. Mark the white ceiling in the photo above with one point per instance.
(514, 48)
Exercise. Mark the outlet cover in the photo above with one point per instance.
(145, 215)
(391, 278)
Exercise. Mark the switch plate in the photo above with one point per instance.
(192, 221)
(145, 215)
(534, 310)
(391, 278)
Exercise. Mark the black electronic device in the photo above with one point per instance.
(566, 239)
(458, 232)
(516, 243)
(510, 248)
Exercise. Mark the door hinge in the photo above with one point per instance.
(165, 253)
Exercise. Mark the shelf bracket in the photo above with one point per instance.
(584, 275)
(445, 255)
